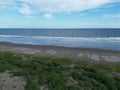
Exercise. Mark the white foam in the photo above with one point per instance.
(11, 36)
(79, 39)
(67, 39)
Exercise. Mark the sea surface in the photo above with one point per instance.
(86, 38)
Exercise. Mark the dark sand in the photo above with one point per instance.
(88, 54)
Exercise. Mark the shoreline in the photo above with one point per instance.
(75, 53)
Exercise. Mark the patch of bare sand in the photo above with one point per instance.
(7, 82)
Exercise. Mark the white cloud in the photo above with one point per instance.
(3, 4)
(57, 6)
(25, 9)
(48, 16)
(112, 16)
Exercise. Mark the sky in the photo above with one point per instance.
(59, 13)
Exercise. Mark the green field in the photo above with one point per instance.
(61, 73)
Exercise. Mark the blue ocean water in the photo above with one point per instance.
(87, 38)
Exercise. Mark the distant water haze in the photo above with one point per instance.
(87, 38)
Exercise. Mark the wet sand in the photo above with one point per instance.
(87, 54)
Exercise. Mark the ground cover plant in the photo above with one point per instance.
(60, 73)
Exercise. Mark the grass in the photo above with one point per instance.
(60, 73)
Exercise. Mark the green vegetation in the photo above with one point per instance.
(60, 73)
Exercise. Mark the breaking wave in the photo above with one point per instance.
(94, 42)
(86, 39)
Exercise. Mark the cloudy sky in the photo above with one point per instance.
(59, 13)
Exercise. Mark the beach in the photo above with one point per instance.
(74, 53)
(28, 67)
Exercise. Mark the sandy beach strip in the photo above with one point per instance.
(88, 54)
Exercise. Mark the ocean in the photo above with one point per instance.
(86, 38)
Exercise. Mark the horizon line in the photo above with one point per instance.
(60, 28)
